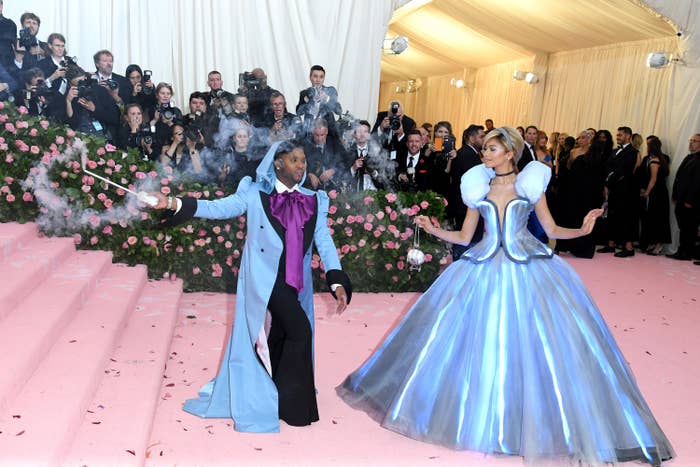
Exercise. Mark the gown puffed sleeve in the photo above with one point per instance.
(533, 181)
(475, 184)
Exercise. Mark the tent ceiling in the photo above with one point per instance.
(450, 35)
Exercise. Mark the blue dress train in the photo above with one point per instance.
(507, 353)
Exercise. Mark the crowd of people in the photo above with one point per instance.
(224, 135)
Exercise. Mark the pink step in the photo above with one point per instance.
(28, 266)
(30, 330)
(42, 421)
(117, 427)
(13, 235)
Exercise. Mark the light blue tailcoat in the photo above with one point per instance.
(243, 389)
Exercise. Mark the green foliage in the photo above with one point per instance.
(372, 230)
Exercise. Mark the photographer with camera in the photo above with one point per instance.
(367, 171)
(134, 134)
(413, 167)
(117, 85)
(318, 101)
(391, 127)
(89, 107)
(325, 158)
(219, 102)
(55, 65)
(141, 88)
(182, 152)
(163, 116)
(254, 86)
(282, 124)
(238, 160)
(442, 152)
(199, 119)
(28, 49)
(36, 96)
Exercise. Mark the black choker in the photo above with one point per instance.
(505, 174)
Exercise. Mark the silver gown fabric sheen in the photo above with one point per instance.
(507, 353)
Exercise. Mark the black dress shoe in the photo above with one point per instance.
(679, 256)
(625, 253)
(606, 249)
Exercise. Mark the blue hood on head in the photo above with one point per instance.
(265, 173)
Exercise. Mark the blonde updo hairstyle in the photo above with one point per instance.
(510, 139)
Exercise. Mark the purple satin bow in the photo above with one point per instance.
(293, 209)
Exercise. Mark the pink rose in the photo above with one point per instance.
(332, 210)
(22, 109)
(107, 230)
(345, 249)
(196, 270)
(110, 148)
(9, 159)
(368, 199)
(400, 265)
(391, 197)
(377, 233)
(132, 240)
(10, 198)
(92, 165)
(216, 270)
(368, 226)
(228, 245)
(333, 194)
(60, 140)
(27, 197)
(107, 203)
(77, 238)
(100, 151)
(362, 243)
(165, 190)
(164, 181)
(44, 124)
(94, 221)
(86, 188)
(393, 216)
(424, 204)
(93, 240)
(140, 175)
(33, 132)
(388, 266)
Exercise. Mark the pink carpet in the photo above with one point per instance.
(97, 362)
(650, 304)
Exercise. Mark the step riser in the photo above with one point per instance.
(89, 340)
(13, 236)
(141, 357)
(29, 332)
(28, 267)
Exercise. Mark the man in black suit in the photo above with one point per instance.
(623, 196)
(528, 155)
(468, 156)
(8, 37)
(54, 66)
(391, 127)
(217, 98)
(318, 101)
(686, 196)
(325, 158)
(367, 161)
(413, 166)
(116, 85)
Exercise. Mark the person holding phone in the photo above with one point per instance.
(443, 153)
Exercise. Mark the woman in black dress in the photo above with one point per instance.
(656, 228)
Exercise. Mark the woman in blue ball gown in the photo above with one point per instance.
(507, 352)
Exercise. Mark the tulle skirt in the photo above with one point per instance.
(502, 357)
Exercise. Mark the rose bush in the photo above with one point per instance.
(41, 180)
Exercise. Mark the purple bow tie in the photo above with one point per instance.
(293, 209)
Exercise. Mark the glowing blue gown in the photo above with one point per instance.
(507, 353)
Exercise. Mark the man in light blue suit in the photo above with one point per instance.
(267, 372)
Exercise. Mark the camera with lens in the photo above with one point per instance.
(42, 90)
(68, 62)
(111, 84)
(249, 81)
(146, 77)
(311, 93)
(394, 118)
(166, 111)
(85, 89)
(26, 39)
(143, 135)
(216, 94)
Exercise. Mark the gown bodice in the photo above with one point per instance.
(518, 244)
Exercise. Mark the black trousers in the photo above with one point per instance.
(688, 220)
(291, 356)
